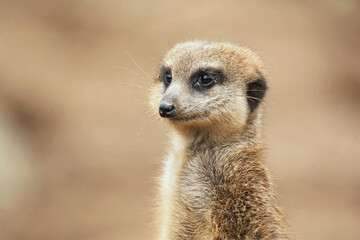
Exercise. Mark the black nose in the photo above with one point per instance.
(166, 110)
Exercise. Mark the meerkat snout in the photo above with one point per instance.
(166, 110)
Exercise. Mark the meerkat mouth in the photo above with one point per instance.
(189, 118)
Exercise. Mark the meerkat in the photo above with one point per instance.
(214, 183)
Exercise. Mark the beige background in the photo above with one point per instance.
(79, 149)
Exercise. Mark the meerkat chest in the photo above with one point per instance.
(195, 183)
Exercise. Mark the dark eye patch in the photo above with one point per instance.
(165, 75)
(206, 78)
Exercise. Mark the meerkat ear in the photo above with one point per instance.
(255, 92)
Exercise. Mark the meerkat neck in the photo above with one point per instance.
(231, 139)
(223, 135)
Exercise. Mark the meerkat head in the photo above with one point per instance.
(204, 86)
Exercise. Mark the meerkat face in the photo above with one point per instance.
(208, 84)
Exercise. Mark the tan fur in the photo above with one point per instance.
(214, 184)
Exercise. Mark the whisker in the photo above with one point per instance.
(127, 69)
(255, 98)
(138, 86)
(260, 100)
(256, 90)
(149, 117)
(137, 65)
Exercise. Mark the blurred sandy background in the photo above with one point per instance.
(79, 149)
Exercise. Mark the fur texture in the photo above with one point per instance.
(214, 184)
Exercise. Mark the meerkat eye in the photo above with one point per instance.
(167, 78)
(206, 79)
